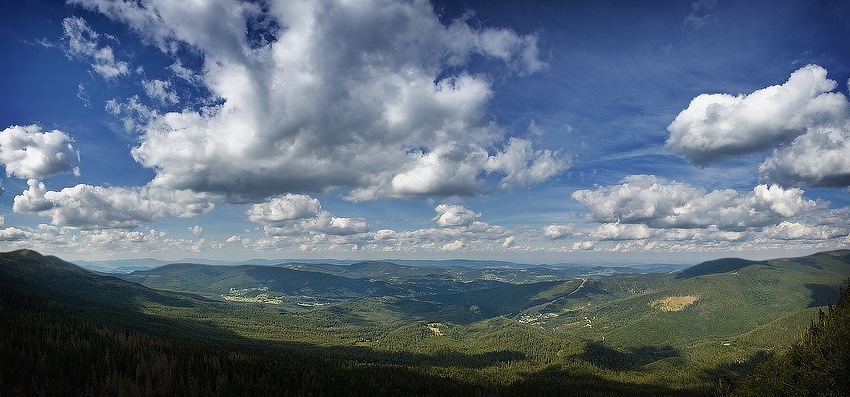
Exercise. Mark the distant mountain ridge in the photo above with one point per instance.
(294, 283)
(219, 279)
(130, 265)
(327, 283)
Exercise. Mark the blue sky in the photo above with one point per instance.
(536, 132)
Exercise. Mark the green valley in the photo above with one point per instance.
(388, 329)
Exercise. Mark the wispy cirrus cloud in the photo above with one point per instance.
(701, 13)
(81, 42)
(161, 91)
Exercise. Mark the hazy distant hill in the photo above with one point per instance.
(304, 284)
(372, 269)
(119, 266)
(511, 275)
(130, 265)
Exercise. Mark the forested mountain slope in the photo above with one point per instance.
(291, 283)
(709, 306)
(818, 365)
(686, 332)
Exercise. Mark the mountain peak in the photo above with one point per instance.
(723, 265)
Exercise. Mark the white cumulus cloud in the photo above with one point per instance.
(370, 96)
(14, 234)
(716, 127)
(93, 207)
(280, 210)
(29, 152)
(454, 215)
(799, 231)
(647, 213)
(296, 214)
(558, 231)
(819, 158)
(458, 229)
(658, 203)
(620, 231)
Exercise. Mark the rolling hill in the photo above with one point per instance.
(305, 285)
(658, 333)
(310, 284)
(221, 280)
(716, 301)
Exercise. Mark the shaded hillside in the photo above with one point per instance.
(47, 350)
(218, 280)
(31, 271)
(299, 284)
(818, 365)
(824, 264)
(107, 299)
(716, 266)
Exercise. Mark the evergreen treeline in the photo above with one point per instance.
(45, 350)
(817, 366)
